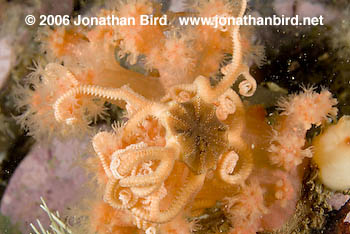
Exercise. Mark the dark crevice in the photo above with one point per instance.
(15, 154)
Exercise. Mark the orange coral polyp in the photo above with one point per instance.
(105, 219)
(138, 39)
(63, 42)
(212, 8)
(299, 113)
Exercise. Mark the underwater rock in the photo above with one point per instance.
(47, 171)
(304, 9)
(338, 200)
(339, 224)
(6, 60)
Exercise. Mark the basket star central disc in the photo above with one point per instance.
(202, 136)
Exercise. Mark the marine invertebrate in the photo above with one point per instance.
(246, 209)
(110, 220)
(300, 111)
(162, 164)
(139, 167)
(192, 134)
(332, 154)
(39, 114)
(57, 225)
(50, 80)
(199, 132)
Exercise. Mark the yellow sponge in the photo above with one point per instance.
(332, 155)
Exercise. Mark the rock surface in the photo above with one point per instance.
(48, 171)
(7, 59)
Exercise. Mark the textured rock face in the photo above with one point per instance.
(304, 8)
(6, 60)
(48, 171)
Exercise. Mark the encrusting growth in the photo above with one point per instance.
(184, 151)
(299, 113)
(332, 153)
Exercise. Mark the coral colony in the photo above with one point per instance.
(188, 142)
